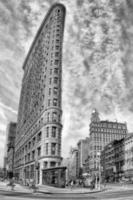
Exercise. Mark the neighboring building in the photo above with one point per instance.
(38, 137)
(112, 161)
(128, 167)
(101, 134)
(86, 165)
(10, 148)
(83, 147)
(72, 164)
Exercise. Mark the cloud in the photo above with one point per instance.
(97, 60)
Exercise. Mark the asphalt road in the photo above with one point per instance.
(117, 195)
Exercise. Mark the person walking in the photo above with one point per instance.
(71, 184)
(11, 184)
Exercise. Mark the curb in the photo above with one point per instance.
(89, 192)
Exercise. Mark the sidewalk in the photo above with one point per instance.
(17, 188)
(53, 190)
(74, 190)
(118, 187)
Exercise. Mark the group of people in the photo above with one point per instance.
(74, 183)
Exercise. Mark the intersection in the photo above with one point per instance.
(21, 192)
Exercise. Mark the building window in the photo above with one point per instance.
(46, 148)
(50, 71)
(55, 80)
(33, 155)
(25, 158)
(56, 70)
(57, 41)
(49, 102)
(49, 91)
(33, 141)
(50, 80)
(39, 151)
(55, 90)
(28, 156)
(29, 145)
(48, 116)
(56, 62)
(53, 148)
(54, 131)
(57, 53)
(54, 116)
(45, 164)
(52, 164)
(54, 102)
(57, 47)
(39, 136)
(25, 147)
(47, 132)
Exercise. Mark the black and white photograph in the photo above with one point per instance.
(66, 99)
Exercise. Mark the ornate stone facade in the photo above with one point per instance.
(101, 134)
(38, 138)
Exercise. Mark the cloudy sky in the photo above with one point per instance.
(97, 61)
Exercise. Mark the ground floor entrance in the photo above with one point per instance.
(54, 176)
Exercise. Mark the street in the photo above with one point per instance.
(100, 196)
(111, 193)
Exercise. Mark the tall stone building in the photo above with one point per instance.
(72, 164)
(83, 151)
(10, 149)
(101, 134)
(38, 137)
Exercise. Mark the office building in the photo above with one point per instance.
(101, 134)
(10, 149)
(38, 136)
(83, 151)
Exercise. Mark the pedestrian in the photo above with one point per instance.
(104, 183)
(71, 184)
(11, 184)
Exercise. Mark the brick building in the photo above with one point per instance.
(128, 165)
(112, 161)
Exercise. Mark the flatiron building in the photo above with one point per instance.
(38, 135)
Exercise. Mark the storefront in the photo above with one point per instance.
(129, 175)
(54, 176)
